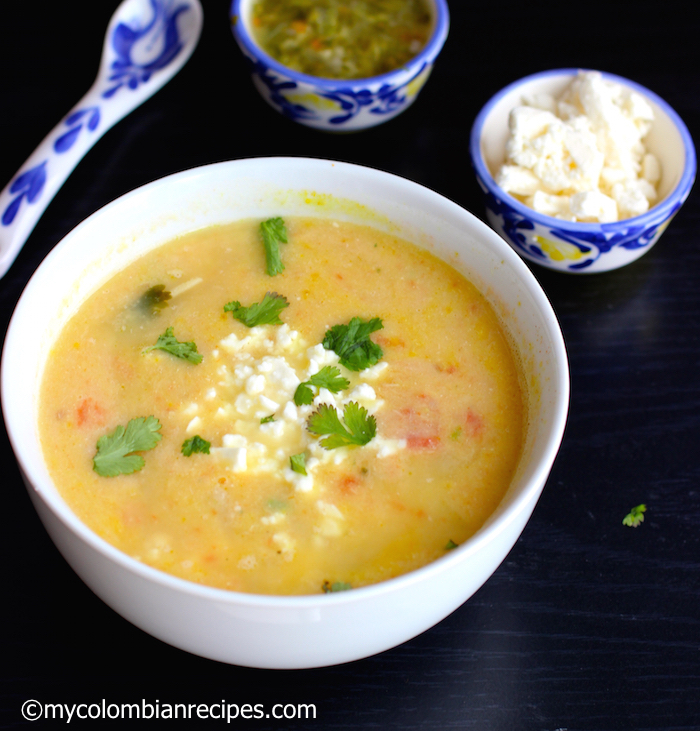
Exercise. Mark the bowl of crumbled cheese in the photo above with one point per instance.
(581, 170)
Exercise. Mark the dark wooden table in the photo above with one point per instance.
(588, 624)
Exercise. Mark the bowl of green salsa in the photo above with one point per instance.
(340, 65)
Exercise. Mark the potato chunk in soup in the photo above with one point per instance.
(257, 503)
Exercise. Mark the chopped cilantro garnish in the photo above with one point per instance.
(260, 313)
(115, 451)
(277, 506)
(273, 233)
(359, 427)
(328, 377)
(450, 545)
(154, 299)
(195, 444)
(170, 344)
(298, 463)
(635, 516)
(267, 419)
(329, 587)
(352, 344)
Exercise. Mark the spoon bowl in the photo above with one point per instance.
(146, 44)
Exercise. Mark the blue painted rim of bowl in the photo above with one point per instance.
(659, 211)
(426, 56)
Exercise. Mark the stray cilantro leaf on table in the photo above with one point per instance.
(328, 377)
(170, 344)
(115, 451)
(265, 312)
(195, 444)
(274, 233)
(359, 427)
(352, 344)
(635, 516)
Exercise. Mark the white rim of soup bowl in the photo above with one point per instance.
(439, 207)
(662, 210)
(424, 57)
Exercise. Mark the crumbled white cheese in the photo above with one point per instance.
(373, 372)
(324, 396)
(268, 404)
(182, 288)
(330, 525)
(581, 157)
(255, 384)
(301, 483)
(592, 205)
(254, 399)
(290, 412)
(158, 545)
(234, 440)
(329, 510)
(273, 519)
(386, 447)
(194, 424)
(286, 545)
(235, 457)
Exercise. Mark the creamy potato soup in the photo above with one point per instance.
(284, 418)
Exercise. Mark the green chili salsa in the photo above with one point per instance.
(342, 39)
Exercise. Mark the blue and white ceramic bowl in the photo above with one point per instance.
(337, 105)
(577, 247)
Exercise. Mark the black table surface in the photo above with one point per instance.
(587, 624)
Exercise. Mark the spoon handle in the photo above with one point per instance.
(26, 196)
(122, 84)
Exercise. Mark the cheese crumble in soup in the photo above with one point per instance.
(260, 505)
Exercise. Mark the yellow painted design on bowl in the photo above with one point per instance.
(312, 100)
(417, 84)
(559, 250)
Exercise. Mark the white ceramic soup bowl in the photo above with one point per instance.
(337, 105)
(577, 247)
(283, 631)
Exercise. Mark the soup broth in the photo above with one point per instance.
(342, 40)
(257, 502)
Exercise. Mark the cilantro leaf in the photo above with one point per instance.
(328, 377)
(260, 313)
(170, 344)
(115, 451)
(298, 463)
(359, 427)
(195, 444)
(328, 588)
(277, 506)
(352, 344)
(303, 395)
(154, 299)
(635, 516)
(273, 233)
(267, 419)
(450, 545)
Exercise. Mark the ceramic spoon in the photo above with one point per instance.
(147, 43)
